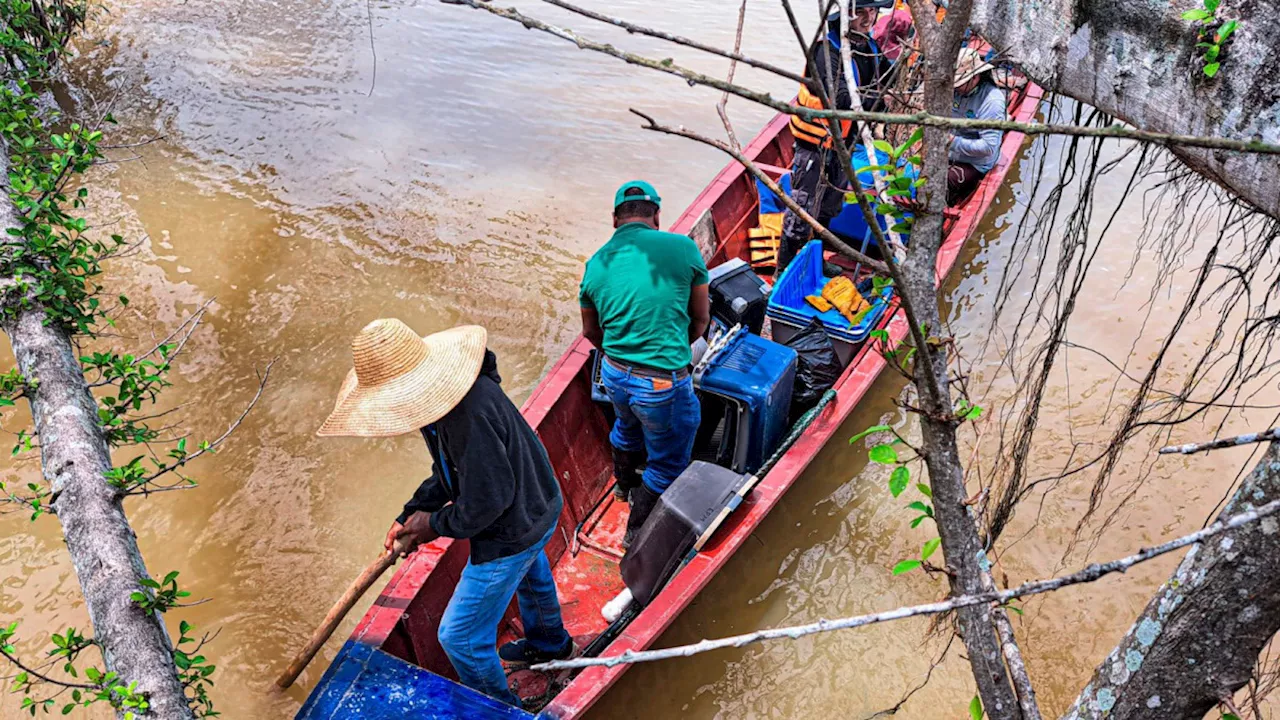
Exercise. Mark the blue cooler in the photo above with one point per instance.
(746, 396)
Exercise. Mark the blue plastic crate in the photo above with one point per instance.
(804, 277)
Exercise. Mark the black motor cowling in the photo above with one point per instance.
(684, 512)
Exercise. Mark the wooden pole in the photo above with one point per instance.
(335, 616)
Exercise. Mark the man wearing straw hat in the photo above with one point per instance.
(492, 484)
(973, 152)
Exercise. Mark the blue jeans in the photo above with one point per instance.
(469, 628)
(661, 420)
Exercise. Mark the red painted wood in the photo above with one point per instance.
(404, 617)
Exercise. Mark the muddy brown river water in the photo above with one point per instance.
(467, 182)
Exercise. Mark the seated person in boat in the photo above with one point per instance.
(973, 152)
(815, 166)
(644, 300)
(492, 484)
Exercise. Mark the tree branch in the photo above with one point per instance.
(760, 175)
(262, 384)
(733, 66)
(920, 118)
(735, 56)
(1249, 439)
(1037, 587)
(45, 678)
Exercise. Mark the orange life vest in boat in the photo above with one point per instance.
(814, 131)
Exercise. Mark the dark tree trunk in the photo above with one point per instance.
(961, 545)
(1138, 62)
(1199, 637)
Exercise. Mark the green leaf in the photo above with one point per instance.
(883, 147)
(898, 480)
(868, 431)
(925, 490)
(1211, 54)
(912, 140)
(930, 548)
(1212, 5)
(1196, 15)
(973, 413)
(916, 523)
(975, 708)
(1211, 69)
(1226, 30)
(906, 566)
(884, 454)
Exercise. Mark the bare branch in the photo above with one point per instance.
(1188, 449)
(760, 175)
(1036, 587)
(735, 56)
(733, 66)
(920, 118)
(262, 384)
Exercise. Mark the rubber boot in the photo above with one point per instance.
(626, 470)
(643, 501)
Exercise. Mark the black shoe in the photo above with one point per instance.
(831, 270)
(521, 653)
(643, 501)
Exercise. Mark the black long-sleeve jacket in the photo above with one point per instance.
(872, 72)
(492, 482)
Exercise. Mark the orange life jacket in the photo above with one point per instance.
(814, 131)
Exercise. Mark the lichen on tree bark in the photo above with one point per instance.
(1199, 636)
(1138, 62)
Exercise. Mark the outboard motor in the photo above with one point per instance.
(685, 511)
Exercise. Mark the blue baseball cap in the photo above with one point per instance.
(646, 193)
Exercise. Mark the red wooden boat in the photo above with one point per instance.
(393, 666)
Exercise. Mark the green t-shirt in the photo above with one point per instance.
(639, 284)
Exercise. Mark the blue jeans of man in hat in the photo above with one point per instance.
(469, 629)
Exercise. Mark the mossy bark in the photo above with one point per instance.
(1138, 62)
(1199, 636)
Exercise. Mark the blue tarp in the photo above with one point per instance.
(364, 683)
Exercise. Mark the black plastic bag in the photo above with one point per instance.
(817, 370)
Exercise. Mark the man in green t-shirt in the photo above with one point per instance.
(644, 302)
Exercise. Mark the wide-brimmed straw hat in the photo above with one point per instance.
(969, 65)
(402, 382)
